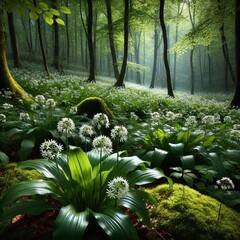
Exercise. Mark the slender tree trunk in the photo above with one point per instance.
(6, 79)
(41, 43)
(144, 56)
(192, 72)
(236, 98)
(137, 55)
(91, 77)
(156, 46)
(225, 48)
(67, 34)
(111, 39)
(120, 80)
(14, 47)
(56, 58)
(165, 48)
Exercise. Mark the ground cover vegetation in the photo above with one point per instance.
(150, 138)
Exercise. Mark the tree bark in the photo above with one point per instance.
(67, 34)
(41, 43)
(111, 39)
(6, 79)
(14, 47)
(236, 98)
(156, 46)
(120, 80)
(137, 55)
(91, 77)
(165, 48)
(56, 59)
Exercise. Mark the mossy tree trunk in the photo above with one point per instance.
(6, 79)
(120, 80)
(236, 98)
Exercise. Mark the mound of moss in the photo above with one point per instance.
(93, 105)
(187, 214)
(10, 176)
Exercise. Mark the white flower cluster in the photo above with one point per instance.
(7, 106)
(191, 121)
(40, 99)
(86, 131)
(208, 120)
(50, 149)
(133, 116)
(236, 126)
(120, 133)
(66, 126)
(155, 118)
(118, 188)
(100, 120)
(102, 144)
(170, 116)
(227, 119)
(225, 183)
(234, 135)
(50, 103)
(24, 116)
(3, 118)
(73, 110)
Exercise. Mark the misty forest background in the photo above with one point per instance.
(200, 38)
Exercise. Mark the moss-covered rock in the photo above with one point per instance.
(187, 214)
(10, 176)
(93, 105)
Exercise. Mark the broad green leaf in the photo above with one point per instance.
(70, 224)
(135, 200)
(4, 159)
(36, 9)
(59, 21)
(188, 180)
(28, 188)
(27, 146)
(176, 149)
(49, 20)
(54, 12)
(217, 164)
(80, 166)
(184, 136)
(116, 224)
(208, 141)
(14, 131)
(156, 157)
(65, 10)
(43, 6)
(30, 206)
(188, 162)
(33, 15)
(141, 177)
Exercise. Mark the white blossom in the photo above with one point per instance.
(73, 110)
(208, 120)
(118, 188)
(3, 118)
(191, 121)
(7, 106)
(102, 144)
(24, 116)
(133, 116)
(120, 133)
(66, 126)
(40, 99)
(50, 149)
(170, 116)
(155, 117)
(227, 119)
(50, 103)
(86, 131)
(100, 120)
(225, 183)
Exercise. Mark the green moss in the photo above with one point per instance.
(187, 214)
(10, 176)
(92, 106)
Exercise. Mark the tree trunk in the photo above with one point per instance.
(165, 48)
(156, 46)
(120, 80)
(67, 34)
(56, 59)
(6, 80)
(225, 48)
(111, 39)
(192, 72)
(41, 43)
(137, 55)
(91, 77)
(13, 39)
(236, 98)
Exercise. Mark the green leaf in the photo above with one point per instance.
(65, 10)
(27, 146)
(135, 200)
(49, 20)
(4, 158)
(30, 206)
(54, 12)
(43, 6)
(188, 180)
(116, 224)
(59, 21)
(188, 162)
(156, 157)
(141, 177)
(176, 149)
(70, 224)
(28, 188)
(33, 15)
